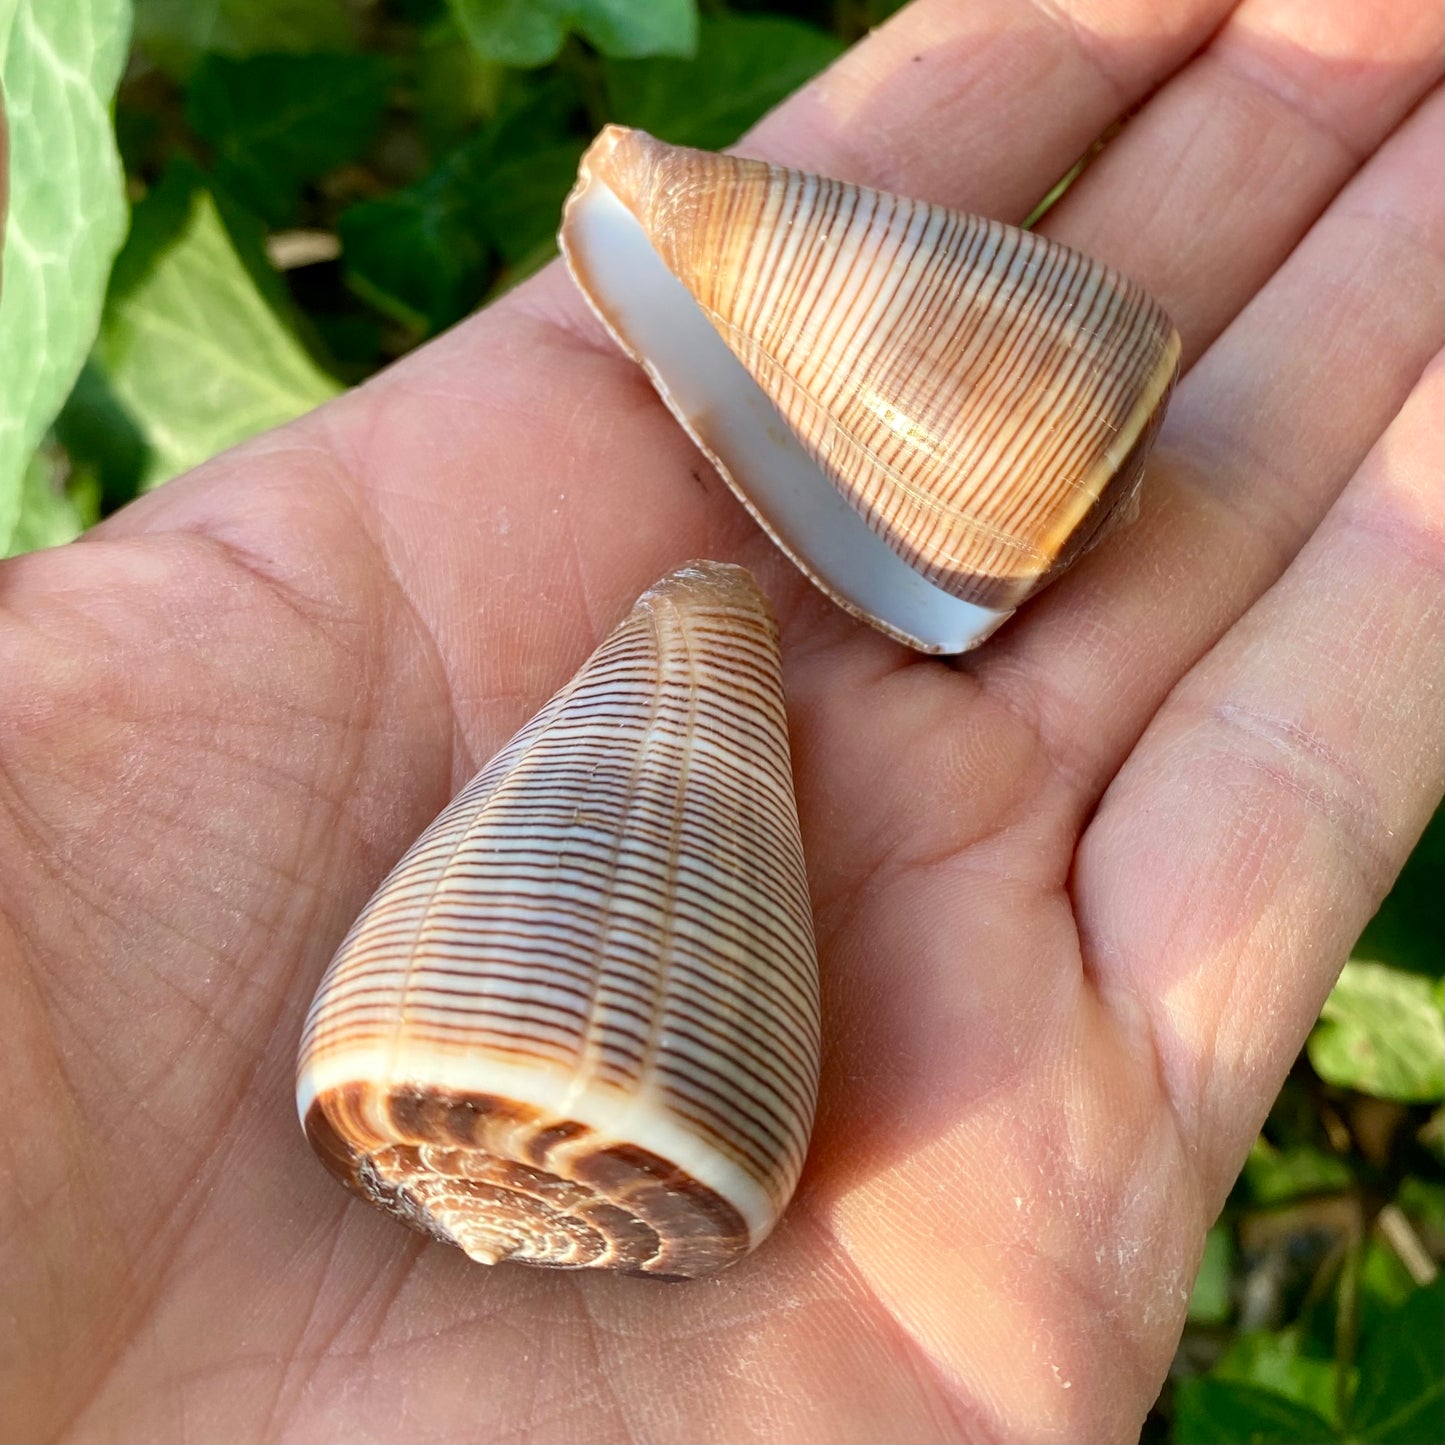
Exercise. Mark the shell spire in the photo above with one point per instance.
(578, 1024)
(981, 398)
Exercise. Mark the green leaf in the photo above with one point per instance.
(49, 516)
(532, 32)
(1411, 922)
(1209, 1303)
(525, 207)
(1423, 1201)
(1276, 1176)
(101, 438)
(1401, 1395)
(1381, 1032)
(423, 255)
(177, 33)
(627, 28)
(512, 32)
(417, 255)
(191, 346)
(745, 65)
(1280, 1363)
(456, 90)
(278, 121)
(1385, 1283)
(59, 65)
(525, 165)
(1209, 1411)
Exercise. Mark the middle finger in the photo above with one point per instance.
(1275, 418)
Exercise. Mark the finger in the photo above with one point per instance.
(1263, 434)
(1207, 189)
(1234, 861)
(982, 105)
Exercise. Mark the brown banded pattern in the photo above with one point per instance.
(578, 1023)
(981, 396)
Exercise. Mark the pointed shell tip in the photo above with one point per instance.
(710, 583)
(617, 157)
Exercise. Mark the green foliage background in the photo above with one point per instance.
(314, 187)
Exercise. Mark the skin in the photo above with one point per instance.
(1079, 897)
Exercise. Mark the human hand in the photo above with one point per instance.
(1078, 898)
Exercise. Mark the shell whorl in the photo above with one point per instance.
(578, 1024)
(982, 396)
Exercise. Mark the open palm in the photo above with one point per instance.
(1078, 898)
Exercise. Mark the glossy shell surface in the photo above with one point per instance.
(931, 412)
(578, 1024)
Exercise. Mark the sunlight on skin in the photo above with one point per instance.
(1336, 754)
(1047, 1049)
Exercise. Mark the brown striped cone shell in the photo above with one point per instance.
(930, 412)
(578, 1023)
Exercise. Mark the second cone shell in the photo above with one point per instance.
(983, 397)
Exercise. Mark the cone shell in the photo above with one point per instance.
(981, 398)
(578, 1024)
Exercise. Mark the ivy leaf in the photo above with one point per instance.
(1209, 1302)
(59, 65)
(49, 516)
(524, 208)
(532, 32)
(532, 155)
(638, 27)
(423, 255)
(101, 438)
(745, 65)
(278, 121)
(527, 164)
(1401, 1396)
(456, 90)
(1209, 1411)
(512, 32)
(1279, 1362)
(176, 34)
(417, 255)
(1380, 1032)
(1276, 1176)
(191, 346)
(1385, 1282)
(1407, 930)
(1423, 1200)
